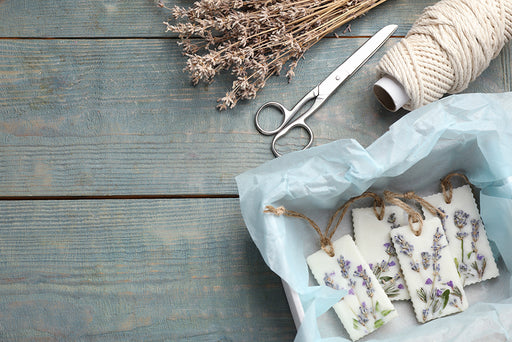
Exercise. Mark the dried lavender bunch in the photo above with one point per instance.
(254, 39)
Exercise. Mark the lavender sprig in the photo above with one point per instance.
(255, 39)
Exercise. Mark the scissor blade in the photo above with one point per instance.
(355, 61)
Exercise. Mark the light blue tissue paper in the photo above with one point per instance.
(470, 133)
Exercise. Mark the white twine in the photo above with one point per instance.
(450, 45)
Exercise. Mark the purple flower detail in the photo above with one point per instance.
(344, 266)
(392, 263)
(425, 313)
(460, 218)
(351, 292)
(475, 234)
(429, 281)
(405, 247)
(425, 260)
(401, 286)
(329, 281)
(479, 257)
(450, 283)
(442, 218)
(371, 266)
(415, 266)
(360, 268)
(390, 249)
(439, 292)
(461, 235)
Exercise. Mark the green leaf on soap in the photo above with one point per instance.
(446, 297)
(422, 295)
(387, 312)
(436, 306)
(457, 265)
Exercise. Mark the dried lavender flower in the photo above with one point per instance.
(254, 39)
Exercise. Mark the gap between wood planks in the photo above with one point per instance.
(127, 197)
(114, 197)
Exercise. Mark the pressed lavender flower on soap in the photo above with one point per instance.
(255, 39)
(405, 247)
(460, 218)
(329, 281)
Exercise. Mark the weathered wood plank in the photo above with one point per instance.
(167, 270)
(142, 18)
(110, 117)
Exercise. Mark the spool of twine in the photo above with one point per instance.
(449, 46)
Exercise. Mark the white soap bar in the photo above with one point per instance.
(466, 235)
(373, 240)
(429, 271)
(366, 307)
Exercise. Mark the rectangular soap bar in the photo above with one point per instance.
(373, 240)
(366, 307)
(429, 271)
(466, 235)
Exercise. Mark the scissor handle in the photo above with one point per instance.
(287, 115)
(300, 122)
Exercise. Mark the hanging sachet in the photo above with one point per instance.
(341, 266)
(465, 231)
(427, 264)
(371, 234)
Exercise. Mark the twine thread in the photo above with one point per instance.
(326, 236)
(414, 216)
(447, 187)
(448, 47)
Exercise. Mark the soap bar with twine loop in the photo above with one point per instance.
(434, 285)
(340, 265)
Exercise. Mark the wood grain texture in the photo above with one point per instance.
(142, 18)
(149, 270)
(117, 117)
(102, 108)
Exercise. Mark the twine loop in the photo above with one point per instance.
(326, 236)
(447, 187)
(414, 216)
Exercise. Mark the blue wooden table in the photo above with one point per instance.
(119, 214)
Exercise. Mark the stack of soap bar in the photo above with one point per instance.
(373, 240)
(366, 307)
(466, 235)
(430, 273)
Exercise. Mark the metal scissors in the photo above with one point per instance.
(321, 92)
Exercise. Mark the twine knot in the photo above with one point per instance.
(409, 195)
(327, 245)
(276, 211)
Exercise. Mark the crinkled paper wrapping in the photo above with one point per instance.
(470, 133)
